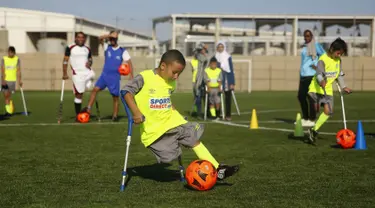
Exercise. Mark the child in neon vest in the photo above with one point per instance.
(164, 129)
(321, 88)
(10, 74)
(213, 81)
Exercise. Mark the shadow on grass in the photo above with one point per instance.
(286, 120)
(372, 135)
(156, 172)
(3, 117)
(303, 139)
(219, 183)
(21, 113)
(160, 173)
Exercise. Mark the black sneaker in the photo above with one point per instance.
(225, 171)
(85, 109)
(115, 119)
(312, 135)
(7, 114)
(194, 114)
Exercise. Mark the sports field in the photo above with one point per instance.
(43, 164)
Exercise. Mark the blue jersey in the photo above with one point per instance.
(113, 60)
(306, 61)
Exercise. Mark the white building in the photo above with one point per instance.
(37, 31)
(190, 29)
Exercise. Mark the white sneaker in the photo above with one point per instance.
(303, 121)
(310, 123)
(306, 123)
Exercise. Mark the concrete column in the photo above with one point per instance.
(173, 32)
(372, 38)
(164, 48)
(294, 36)
(100, 49)
(287, 48)
(134, 49)
(267, 48)
(350, 49)
(70, 37)
(153, 46)
(88, 41)
(217, 30)
(245, 47)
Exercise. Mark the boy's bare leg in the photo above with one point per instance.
(324, 116)
(92, 99)
(7, 95)
(115, 108)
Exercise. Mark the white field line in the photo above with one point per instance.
(267, 128)
(237, 123)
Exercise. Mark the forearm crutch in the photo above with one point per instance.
(235, 102)
(61, 102)
(24, 102)
(128, 138)
(222, 104)
(205, 103)
(342, 105)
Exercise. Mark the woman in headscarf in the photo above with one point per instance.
(225, 63)
(310, 54)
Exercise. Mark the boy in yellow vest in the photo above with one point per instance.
(321, 88)
(10, 73)
(163, 129)
(213, 82)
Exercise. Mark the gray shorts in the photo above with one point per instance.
(167, 147)
(214, 96)
(10, 86)
(321, 99)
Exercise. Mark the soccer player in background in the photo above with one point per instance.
(163, 129)
(328, 71)
(79, 57)
(10, 73)
(110, 77)
(201, 54)
(310, 54)
(213, 78)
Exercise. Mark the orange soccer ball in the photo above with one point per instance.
(201, 175)
(345, 138)
(124, 69)
(83, 117)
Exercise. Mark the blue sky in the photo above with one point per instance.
(137, 14)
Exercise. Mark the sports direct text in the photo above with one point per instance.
(160, 103)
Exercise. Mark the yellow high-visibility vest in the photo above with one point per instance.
(213, 76)
(10, 65)
(154, 102)
(332, 71)
(194, 63)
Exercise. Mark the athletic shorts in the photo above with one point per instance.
(82, 81)
(214, 96)
(321, 99)
(110, 82)
(9, 86)
(167, 147)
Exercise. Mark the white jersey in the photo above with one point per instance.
(78, 57)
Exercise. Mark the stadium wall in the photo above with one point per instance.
(275, 73)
